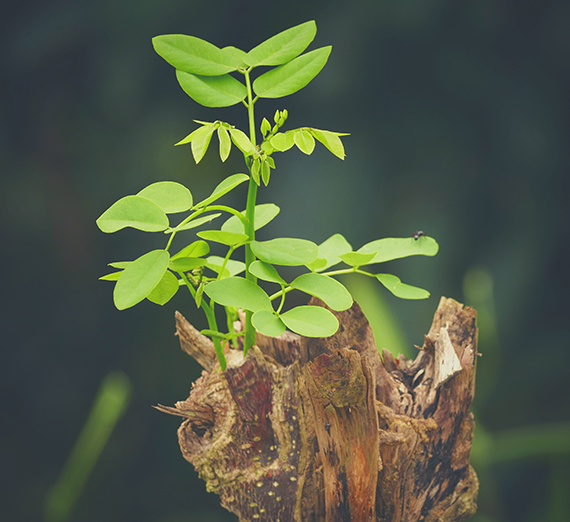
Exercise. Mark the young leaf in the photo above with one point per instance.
(230, 183)
(193, 224)
(133, 211)
(201, 141)
(242, 142)
(402, 290)
(255, 169)
(264, 213)
(331, 141)
(239, 293)
(265, 172)
(357, 258)
(333, 293)
(265, 127)
(185, 264)
(139, 278)
(194, 55)
(196, 249)
(331, 249)
(397, 247)
(220, 236)
(212, 91)
(266, 272)
(225, 143)
(113, 276)
(169, 196)
(165, 290)
(310, 321)
(304, 141)
(283, 141)
(268, 323)
(233, 267)
(293, 76)
(282, 47)
(285, 251)
(120, 264)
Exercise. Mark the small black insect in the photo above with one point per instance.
(418, 234)
(328, 427)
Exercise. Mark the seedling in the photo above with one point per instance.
(216, 77)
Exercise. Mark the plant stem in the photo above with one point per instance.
(249, 336)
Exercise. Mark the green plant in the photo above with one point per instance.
(204, 72)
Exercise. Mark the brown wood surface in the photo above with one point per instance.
(325, 430)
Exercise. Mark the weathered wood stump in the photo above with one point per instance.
(324, 430)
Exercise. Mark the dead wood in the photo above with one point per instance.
(325, 430)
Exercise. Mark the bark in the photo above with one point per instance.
(325, 430)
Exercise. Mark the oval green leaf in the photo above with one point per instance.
(139, 278)
(196, 249)
(185, 264)
(330, 250)
(357, 258)
(165, 290)
(230, 183)
(264, 213)
(220, 236)
(329, 290)
(212, 91)
(195, 55)
(283, 141)
(201, 141)
(242, 142)
(225, 143)
(402, 290)
(239, 293)
(293, 76)
(238, 54)
(266, 272)
(194, 223)
(304, 141)
(397, 247)
(171, 197)
(135, 212)
(310, 321)
(268, 323)
(282, 47)
(331, 141)
(285, 251)
(233, 267)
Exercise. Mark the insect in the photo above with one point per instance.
(418, 234)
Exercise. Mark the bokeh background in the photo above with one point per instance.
(459, 122)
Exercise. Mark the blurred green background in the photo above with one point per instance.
(459, 121)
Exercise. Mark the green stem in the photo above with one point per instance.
(249, 336)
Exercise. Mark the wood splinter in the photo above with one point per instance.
(325, 430)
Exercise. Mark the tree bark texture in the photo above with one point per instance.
(327, 430)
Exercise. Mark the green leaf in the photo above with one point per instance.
(165, 290)
(238, 54)
(139, 278)
(225, 143)
(242, 142)
(120, 264)
(304, 141)
(196, 249)
(239, 293)
(230, 183)
(265, 127)
(135, 212)
(220, 236)
(266, 272)
(114, 276)
(331, 141)
(194, 55)
(265, 172)
(268, 323)
(270, 161)
(283, 141)
(193, 224)
(310, 321)
(263, 214)
(233, 267)
(285, 251)
(330, 250)
(185, 264)
(212, 91)
(255, 169)
(356, 258)
(329, 290)
(397, 247)
(293, 76)
(169, 196)
(402, 290)
(282, 47)
(201, 140)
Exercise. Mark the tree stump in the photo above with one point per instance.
(325, 430)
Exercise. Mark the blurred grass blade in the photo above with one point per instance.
(110, 404)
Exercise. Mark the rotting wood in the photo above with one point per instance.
(325, 430)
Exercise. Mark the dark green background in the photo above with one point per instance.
(459, 122)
